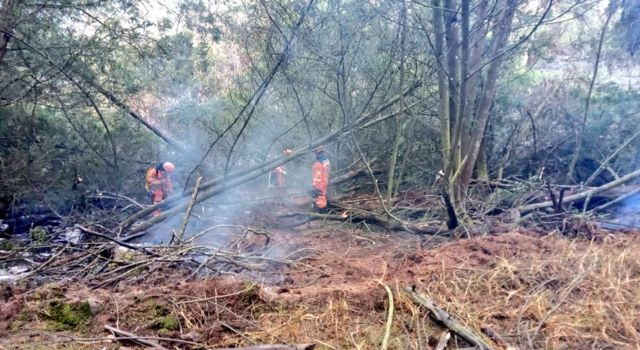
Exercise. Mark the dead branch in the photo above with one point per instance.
(583, 195)
(274, 347)
(187, 214)
(369, 218)
(135, 338)
(443, 340)
(618, 199)
(497, 338)
(118, 242)
(446, 319)
(387, 329)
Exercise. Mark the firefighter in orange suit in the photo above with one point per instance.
(277, 177)
(158, 182)
(320, 175)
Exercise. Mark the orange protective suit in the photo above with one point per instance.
(159, 184)
(320, 175)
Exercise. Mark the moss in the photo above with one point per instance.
(65, 316)
(167, 323)
(7, 245)
(251, 293)
(163, 320)
(39, 235)
(22, 319)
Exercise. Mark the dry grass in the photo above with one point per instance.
(548, 293)
(569, 294)
(542, 293)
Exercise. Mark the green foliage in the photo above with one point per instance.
(251, 293)
(167, 323)
(7, 245)
(163, 320)
(39, 235)
(66, 316)
(190, 74)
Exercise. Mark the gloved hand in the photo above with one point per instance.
(315, 193)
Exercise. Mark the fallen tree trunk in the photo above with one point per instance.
(616, 200)
(116, 101)
(364, 121)
(371, 219)
(582, 195)
(446, 319)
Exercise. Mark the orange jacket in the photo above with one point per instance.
(320, 175)
(159, 181)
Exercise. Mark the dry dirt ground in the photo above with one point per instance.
(516, 289)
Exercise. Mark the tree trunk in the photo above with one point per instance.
(482, 168)
(580, 135)
(452, 37)
(445, 119)
(400, 125)
(6, 25)
(486, 101)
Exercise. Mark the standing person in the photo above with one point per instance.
(277, 177)
(320, 179)
(158, 182)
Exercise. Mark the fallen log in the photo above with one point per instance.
(368, 218)
(134, 338)
(582, 195)
(446, 319)
(363, 121)
(616, 200)
(274, 347)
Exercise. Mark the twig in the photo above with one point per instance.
(31, 273)
(135, 338)
(446, 319)
(582, 195)
(387, 330)
(187, 214)
(275, 347)
(443, 340)
(126, 245)
(563, 297)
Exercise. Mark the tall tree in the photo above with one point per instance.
(466, 92)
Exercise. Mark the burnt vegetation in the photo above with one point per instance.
(483, 189)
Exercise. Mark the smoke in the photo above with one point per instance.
(246, 204)
(198, 102)
(626, 214)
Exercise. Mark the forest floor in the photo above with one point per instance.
(516, 288)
